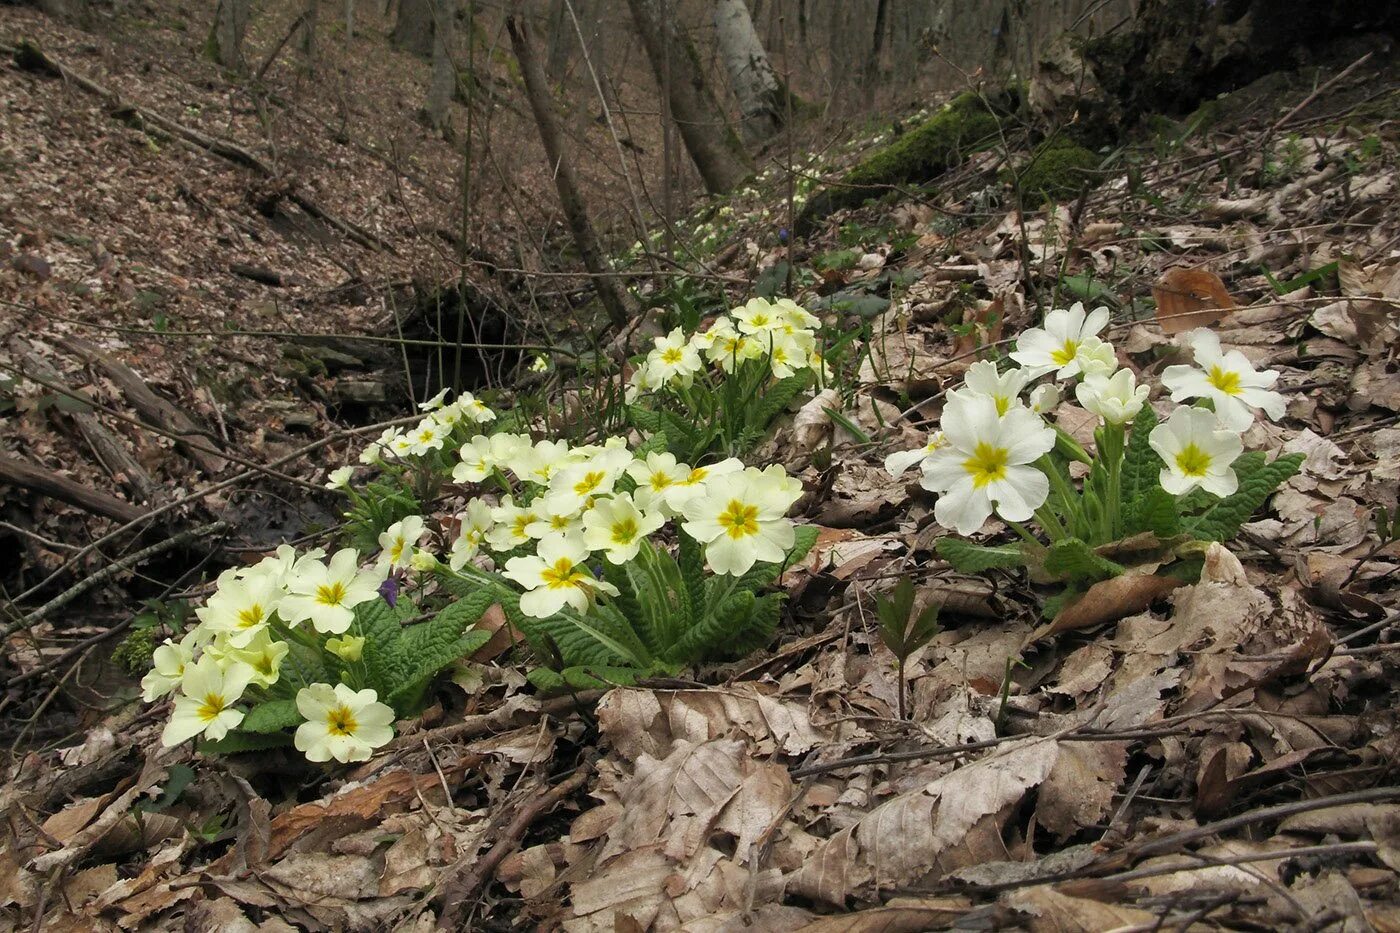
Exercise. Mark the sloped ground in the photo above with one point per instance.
(1225, 758)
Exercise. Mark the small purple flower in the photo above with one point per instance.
(389, 589)
(783, 235)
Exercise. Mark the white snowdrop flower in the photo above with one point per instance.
(985, 464)
(617, 528)
(1055, 347)
(897, 463)
(341, 723)
(397, 543)
(555, 577)
(1196, 453)
(1229, 380)
(327, 594)
(1116, 399)
(205, 704)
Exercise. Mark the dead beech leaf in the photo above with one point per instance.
(812, 424)
(1053, 912)
(650, 722)
(1190, 298)
(1108, 601)
(354, 809)
(1079, 790)
(900, 915)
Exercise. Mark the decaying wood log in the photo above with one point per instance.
(265, 275)
(152, 408)
(109, 450)
(15, 472)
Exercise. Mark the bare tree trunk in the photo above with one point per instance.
(575, 211)
(349, 21)
(444, 80)
(413, 29)
(225, 42)
(712, 145)
(560, 41)
(73, 10)
(877, 45)
(751, 76)
(308, 35)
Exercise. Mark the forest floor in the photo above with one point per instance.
(1221, 756)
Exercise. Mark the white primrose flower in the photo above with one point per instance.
(901, 460)
(205, 704)
(475, 409)
(728, 347)
(654, 476)
(347, 647)
(1116, 399)
(435, 402)
(374, 453)
(985, 464)
(402, 446)
(785, 355)
(794, 315)
(548, 522)
(1002, 388)
(341, 723)
(169, 661)
(1229, 380)
(511, 524)
(480, 457)
(1055, 347)
(427, 435)
(241, 607)
(616, 527)
(398, 542)
(282, 565)
(673, 358)
(757, 316)
(1045, 398)
(449, 416)
(476, 525)
(698, 480)
(340, 478)
(1196, 453)
(539, 463)
(539, 364)
(262, 656)
(1096, 357)
(742, 519)
(556, 577)
(327, 594)
(575, 485)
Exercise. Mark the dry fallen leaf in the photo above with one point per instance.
(1108, 601)
(1190, 298)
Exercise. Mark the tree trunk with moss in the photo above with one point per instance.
(225, 42)
(712, 144)
(751, 77)
(413, 28)
(444, 78)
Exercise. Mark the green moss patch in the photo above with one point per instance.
(1058, 170)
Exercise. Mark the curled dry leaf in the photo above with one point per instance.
(1108, 601)
(1190, 298)
(812, 424)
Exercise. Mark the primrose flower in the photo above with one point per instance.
(476, 523)
(1045, 398)
(744, 520)
(340, 478)
(757, 316)
(1002, 388)
(327, 594)
(672, 358)
(901, 460)
(341, 723)
(785, 355)
(262, 656)
(397, 542)
(374, 453)
(556, 577)
(985, 464)
(348, 648)
(573, 487)
(240, 608)
(794, 315)
(428, 434)
(654, 476)
(169, 661)
(205, 704)
(510, 524)
(1096, 357)
(539, 463)
(1116, 399)
(1229, 380)
(1196, 453)
(402, 446)
(539, 364)
(435, 402)
(475, 409)
(1055, 347)
(616, 527)
(479, 460)
(549, 522)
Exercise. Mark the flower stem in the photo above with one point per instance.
(1025, 533)
(1112, 457)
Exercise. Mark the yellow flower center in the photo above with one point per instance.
(759, 320)
(517, 525)
(341, 721)
(396, 551)
(1065, 354)
(1192, 460)
(659, 481)
(739, 520)
(251, 617)
(986, 465)
(671, 356)
(1003, 403)
(1224, 380)
(625, 531)
(590, 481)
(212, 706)
(561, 576)
(330, 594)
(559, 522)
(697, 475)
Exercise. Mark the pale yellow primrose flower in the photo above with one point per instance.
(427, 435)
(476, 524)
(341, 723)
(511, 524)
(672, 358)
(240, 607)
(742, 518)
(1116, 399)
(555, 577)
(1045, 398)
(985, 464)
(168, 667)
(263, 656)
(901, 460)
(1229, 380)
(398, 543)
(205, 704)
(571, 489)
(435, 402)
(1055, 347)
(1196, 453)
(617, 528)
(655, 475)
(327, 595)
(340, 478)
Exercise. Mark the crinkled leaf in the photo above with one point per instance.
(975, 558)
(271, 716)
(1222, 521)
(1072, 559)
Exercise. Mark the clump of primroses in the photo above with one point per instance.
(541, 517)
(997, 451)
